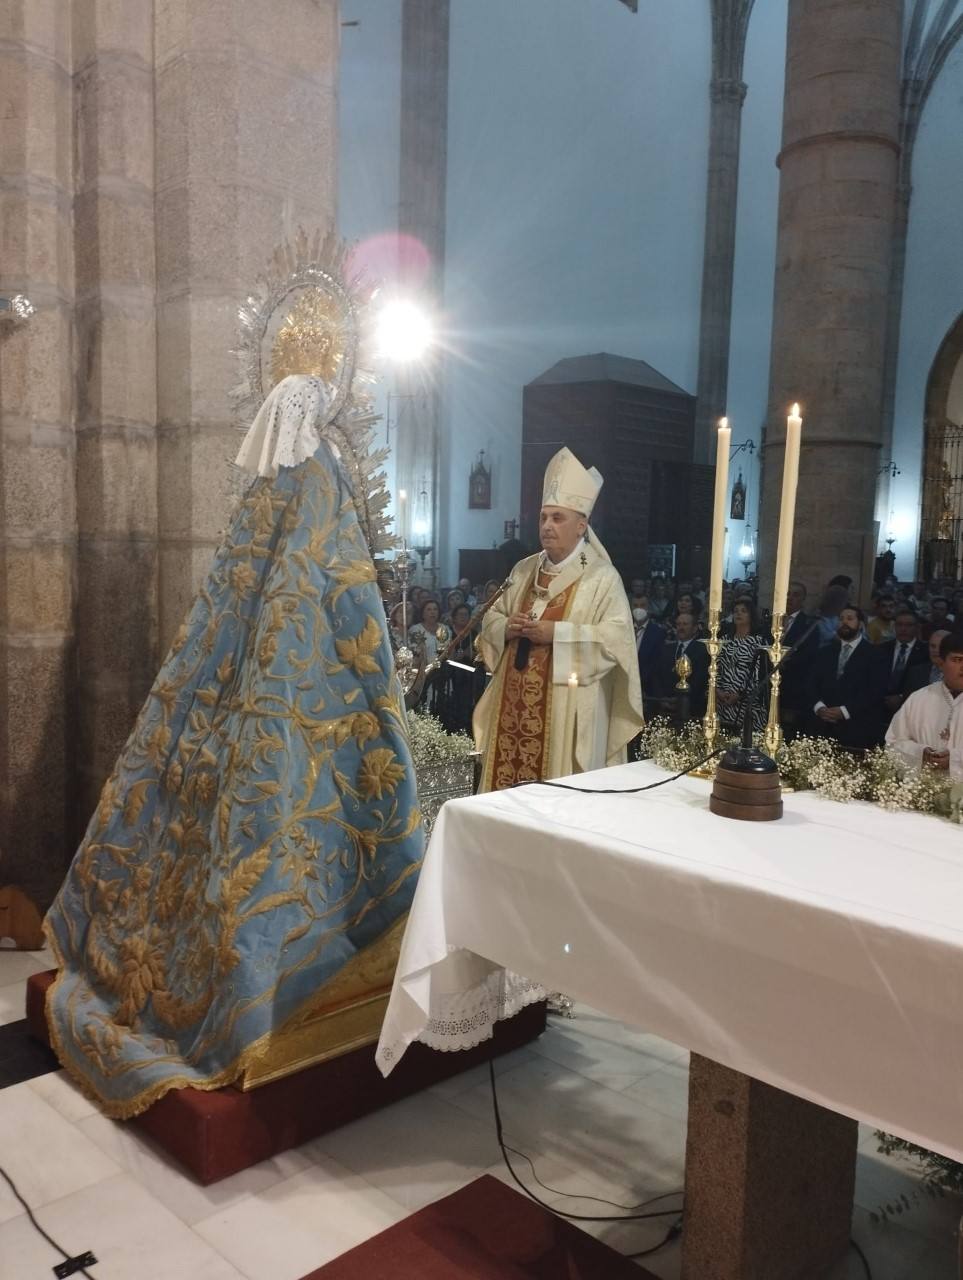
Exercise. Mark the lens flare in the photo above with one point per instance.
(402, 332)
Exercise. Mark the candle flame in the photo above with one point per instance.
(723, 422)
(795, 411)
(573, 680)
(402, 494)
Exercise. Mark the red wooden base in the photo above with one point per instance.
(217, 1133)
(485, 1231)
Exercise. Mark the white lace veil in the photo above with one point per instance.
(288, 425)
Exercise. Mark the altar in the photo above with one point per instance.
(813, 965)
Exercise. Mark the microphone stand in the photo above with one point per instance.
(747, 758)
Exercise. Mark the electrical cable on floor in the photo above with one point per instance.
(673, 1233)
(863, 1259)
(75, 1269)
(560, 1213)
(571, 1195)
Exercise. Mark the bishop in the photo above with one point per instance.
(565, 697)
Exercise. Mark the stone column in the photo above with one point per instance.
(769, 1180)
(421, 214)
(730, 22)
(834, 252)
(116, 379)
(37, 506)
(245, 113)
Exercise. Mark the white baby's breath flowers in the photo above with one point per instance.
(817, 764)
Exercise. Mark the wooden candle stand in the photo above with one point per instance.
(746, 786)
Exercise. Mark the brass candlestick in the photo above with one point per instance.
(772, 736)
(710, 721)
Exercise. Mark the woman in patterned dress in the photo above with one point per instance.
(736, 661)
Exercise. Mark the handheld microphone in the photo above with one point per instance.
(522, 652)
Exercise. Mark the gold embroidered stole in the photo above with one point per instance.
(518, 749)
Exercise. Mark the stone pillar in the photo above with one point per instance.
(836, 208)
(116, 379)
(421, 214)
(769, 1180)
(37, 506)
(245, 119)
(730, 22)
(894, 316)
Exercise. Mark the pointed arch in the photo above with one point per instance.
(941, 527)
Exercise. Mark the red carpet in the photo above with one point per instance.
(485, 1231)
(220, 1132)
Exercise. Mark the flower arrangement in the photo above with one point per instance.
(817, 764)
(444, 764)
(432, 744)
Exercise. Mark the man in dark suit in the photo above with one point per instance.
(798, 628)
(649, 641)
(902, 655)
(685, 644)
(847, 687)
(919, 676)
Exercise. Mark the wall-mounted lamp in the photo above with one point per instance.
(16, 309)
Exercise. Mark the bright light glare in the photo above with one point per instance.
(900, 525)
(421, 528)
(402, 332)
(745, 552)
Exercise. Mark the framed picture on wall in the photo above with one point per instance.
(480, 485)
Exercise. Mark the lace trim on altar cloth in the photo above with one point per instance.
(463, 1019)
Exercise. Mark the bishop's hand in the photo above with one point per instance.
(516, 624)
(539, 632)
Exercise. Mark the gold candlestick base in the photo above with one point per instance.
(772, 740)
(710, 721)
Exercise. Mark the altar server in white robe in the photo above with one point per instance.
(565, 696)
(928, 728)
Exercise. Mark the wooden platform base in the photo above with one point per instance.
(221, 1132)
(485, 1231)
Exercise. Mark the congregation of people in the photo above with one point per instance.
(849, 675)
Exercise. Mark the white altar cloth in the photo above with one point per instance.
(822, 953)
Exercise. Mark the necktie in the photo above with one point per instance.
(679, 650)
(844, 653)
(900, 660)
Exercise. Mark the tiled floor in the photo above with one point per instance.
(599, 1107)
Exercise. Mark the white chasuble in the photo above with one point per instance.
(932, 717)
(577, 703)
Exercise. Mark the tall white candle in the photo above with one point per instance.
(787, 511)
(402, 497)
(723, 439)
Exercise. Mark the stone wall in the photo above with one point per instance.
(838, 170)
(152, 154)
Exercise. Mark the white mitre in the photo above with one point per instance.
(569, 484)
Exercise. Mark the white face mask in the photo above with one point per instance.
(640, 615)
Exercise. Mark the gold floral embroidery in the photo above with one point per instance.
(379, 772)
(208, 824)
(518, 751)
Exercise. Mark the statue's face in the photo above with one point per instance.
(560, 530)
